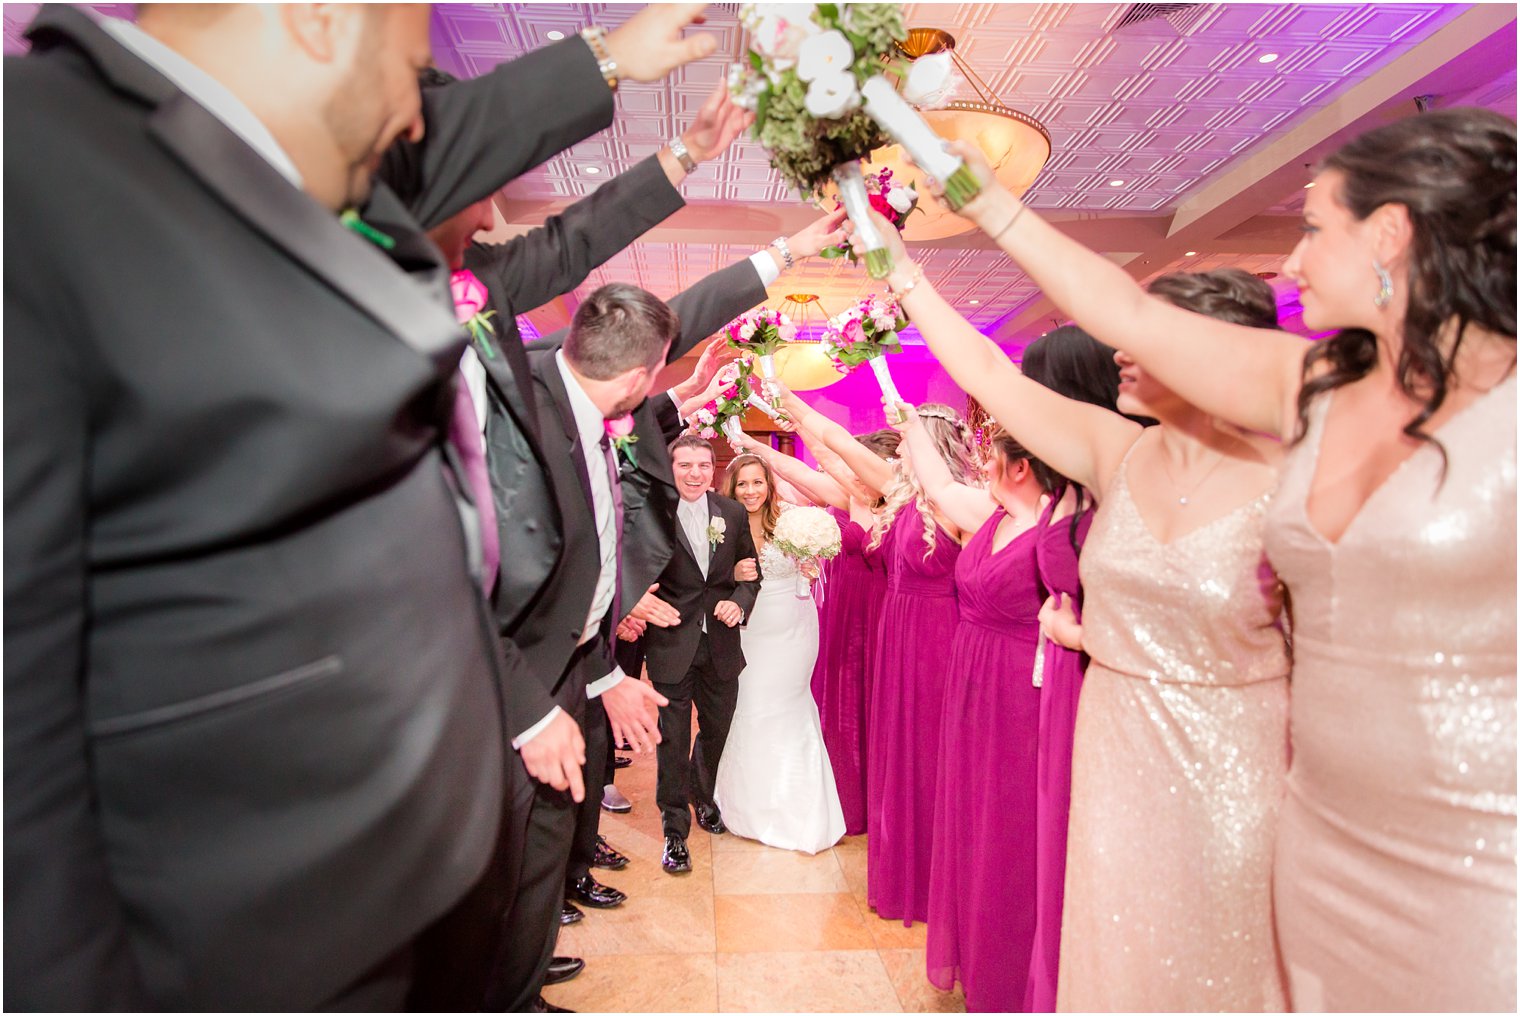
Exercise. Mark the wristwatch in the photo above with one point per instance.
(596, 38)
(683, 154)
(786, 252)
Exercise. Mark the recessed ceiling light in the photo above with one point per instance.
(1267, 58)
(555, 34)
(1190, 254)
(1116, 183)
(974, 303)
(591, 170)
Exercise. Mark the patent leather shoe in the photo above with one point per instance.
(608, 858)
(709, 819)
(569, 914)
(563, 968)
(587, 891)
(676, 859)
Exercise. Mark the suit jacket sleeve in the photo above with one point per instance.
(525, 698)
(702, 308)
(530, 270)
(745, 592)
(485, 131)
(668, 415)
(66, 948)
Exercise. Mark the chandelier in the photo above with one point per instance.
(1016, 144)
(802, 364)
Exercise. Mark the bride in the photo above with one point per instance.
(775, 783)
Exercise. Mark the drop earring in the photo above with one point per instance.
(1385, 285)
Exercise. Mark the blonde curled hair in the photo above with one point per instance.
(952, 439)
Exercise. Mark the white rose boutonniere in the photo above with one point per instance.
(715, 530)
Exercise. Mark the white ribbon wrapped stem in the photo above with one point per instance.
(857, 205)
(908, 128)
(734, 431)
(764, 407)
(878, 364)
(768, 372)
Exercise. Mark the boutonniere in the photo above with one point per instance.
(715, 530)
(470, 298)
(620, 432)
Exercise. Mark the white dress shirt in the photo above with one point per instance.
(694, 522)
(590, 425)
(205, 90)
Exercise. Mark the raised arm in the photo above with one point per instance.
(1076, 439)
(966, 506)
(816, 487)
(861, 461)
(1248, 376)
(842, 474)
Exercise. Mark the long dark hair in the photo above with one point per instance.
(770, 511)
(1072, 363)
(1454, 170)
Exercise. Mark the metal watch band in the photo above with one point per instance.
(596, 38)
(786, 252)
(683, 155)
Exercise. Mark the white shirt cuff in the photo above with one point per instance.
(605, 684)
(765, 267)
(671, 394)
(535, 730)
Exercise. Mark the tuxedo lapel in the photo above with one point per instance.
(548, 373)
(685, 543)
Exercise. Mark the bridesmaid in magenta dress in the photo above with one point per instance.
(1060, 687)
(916, 637)
(849, 613)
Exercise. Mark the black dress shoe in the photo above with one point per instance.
(676, 860)
(621, 761)
(608, 858)
(569, 914)
(709, 819)
(589, 891)
(539, 1005)
(562, 969)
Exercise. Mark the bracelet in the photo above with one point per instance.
(1009, 224)
(683, 154)
(786, 252)
(596, 38)
(918, 276)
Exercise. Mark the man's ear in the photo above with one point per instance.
(321, 30)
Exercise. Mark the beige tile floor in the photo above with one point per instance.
(751, 929)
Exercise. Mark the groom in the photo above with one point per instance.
(698, 659)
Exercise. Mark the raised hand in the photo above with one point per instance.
(653, 610)
(1058, 620)
(715, 356)
(890, 236)
(826, 231)
(556, 754)
(633, 707)
(906, 413)
(718, 122)
(649, 45)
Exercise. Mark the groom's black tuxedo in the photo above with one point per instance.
(689, 665)
(253, 731)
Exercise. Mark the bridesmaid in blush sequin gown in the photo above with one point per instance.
(1398, 833)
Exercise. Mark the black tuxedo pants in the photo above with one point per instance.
(689, 771)
(596, 772)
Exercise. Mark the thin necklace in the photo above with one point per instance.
(1182, 499)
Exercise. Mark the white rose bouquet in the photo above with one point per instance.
(807, 63)
(804, 534)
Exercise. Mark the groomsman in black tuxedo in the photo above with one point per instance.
(699, 659)
(246, 664)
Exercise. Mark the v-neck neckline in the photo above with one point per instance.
(1386, 481)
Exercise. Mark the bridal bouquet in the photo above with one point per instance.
(865, 333)
(807, 66)
(891, 202)
(723, 415)
(760, 333)
(807, 534)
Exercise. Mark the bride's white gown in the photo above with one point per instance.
(775, 783)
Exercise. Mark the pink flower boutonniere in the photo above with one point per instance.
(470, 299)
(620, 432)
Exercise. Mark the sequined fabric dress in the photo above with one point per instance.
(1396, 856)
(1177, 769)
